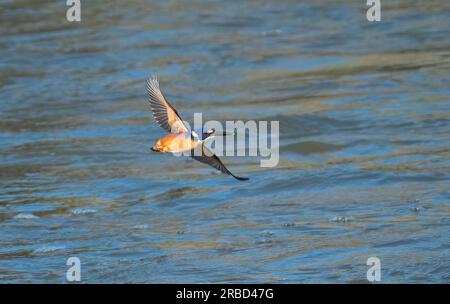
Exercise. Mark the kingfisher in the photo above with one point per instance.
(180, 139)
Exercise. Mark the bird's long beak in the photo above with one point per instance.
(227, 133)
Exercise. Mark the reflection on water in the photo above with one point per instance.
(364, 112)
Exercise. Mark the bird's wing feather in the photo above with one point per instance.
(209, 158)
(165, 114)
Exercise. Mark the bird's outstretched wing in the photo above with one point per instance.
(165, 114)
(209, 158)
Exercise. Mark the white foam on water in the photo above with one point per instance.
(46, 249)
(78, 211)
(143, 226)
(341, 219)
(26, 216)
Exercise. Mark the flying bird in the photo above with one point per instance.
(180, 138)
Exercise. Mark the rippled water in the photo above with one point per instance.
(364, 111)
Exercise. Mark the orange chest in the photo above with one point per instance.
(177, 142)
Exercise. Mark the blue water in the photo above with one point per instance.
(364, 171)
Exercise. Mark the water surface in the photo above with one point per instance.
(364, 111)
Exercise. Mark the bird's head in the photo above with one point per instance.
(212, 132)
(209, 133)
